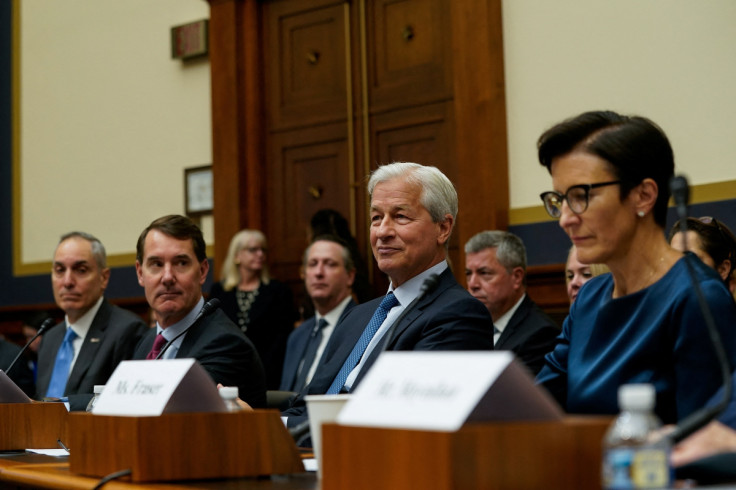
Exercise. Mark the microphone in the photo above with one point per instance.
(300, 432)
(207, 309)
(681, 194)
(45, 326)
(429, 285)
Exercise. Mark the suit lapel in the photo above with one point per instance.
(346, 336)
(90, 347)
(513, 324)
(145, 345)
(446, 281)
(291, 365)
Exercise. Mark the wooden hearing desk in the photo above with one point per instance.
(26, 470)
(563, 454)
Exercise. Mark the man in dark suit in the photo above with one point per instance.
(171, 263)
(328, 277)
(96, 335)
(413, 210)
(495, 269)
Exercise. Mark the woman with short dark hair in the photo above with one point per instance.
(641, 323)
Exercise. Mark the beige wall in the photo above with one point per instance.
(673, 61)
(108, 121)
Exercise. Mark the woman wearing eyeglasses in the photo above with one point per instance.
(641, 323)
(263, 308)
(712, 242)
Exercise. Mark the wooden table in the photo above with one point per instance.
(27, 470)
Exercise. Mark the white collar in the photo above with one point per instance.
(501, 323)
(407, 292)
(83, 324)
(334, 314)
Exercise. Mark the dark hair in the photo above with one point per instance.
(635, 147)
(347, 259)
(329, 222)
(179, 227)
(718, 241)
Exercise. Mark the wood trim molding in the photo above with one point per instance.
(237, 127)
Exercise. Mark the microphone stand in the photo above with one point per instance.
(698, 419)
(46, 325)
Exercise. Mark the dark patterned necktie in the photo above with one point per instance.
(315, 338)
(158, 344)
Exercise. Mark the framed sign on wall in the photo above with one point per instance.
(198, 191)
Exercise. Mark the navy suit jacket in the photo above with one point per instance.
(297, 345)
(111, 338)
(224, 352)
(530, 334)
(447, 319)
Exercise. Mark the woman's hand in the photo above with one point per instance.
(712, 439)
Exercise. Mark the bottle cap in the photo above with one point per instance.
(229, 392)
(636, 397)
(98, 389)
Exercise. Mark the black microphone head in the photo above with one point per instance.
(680, 190)
(430, 284)
(47, 324)
(210, 306)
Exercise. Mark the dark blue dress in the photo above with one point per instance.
(656, 335)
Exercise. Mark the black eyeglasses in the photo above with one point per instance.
(576, 197)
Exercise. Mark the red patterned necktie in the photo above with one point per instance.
(158, 344)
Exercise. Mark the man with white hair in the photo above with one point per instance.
(96, 336)
(412, 214)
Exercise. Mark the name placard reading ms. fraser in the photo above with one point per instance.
(443, 390)
(150, 388)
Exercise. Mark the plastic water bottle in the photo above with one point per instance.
(97, 390)
(635, 455)
(229, 394)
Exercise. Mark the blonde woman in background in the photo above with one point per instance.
(577, 273)
(262, 307)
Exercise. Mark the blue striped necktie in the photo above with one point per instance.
(63, 362)
(389, 301)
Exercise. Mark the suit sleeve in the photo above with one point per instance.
(233, 361)
(553, 375)
(537, 346)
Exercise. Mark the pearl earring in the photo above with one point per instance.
(641, 214)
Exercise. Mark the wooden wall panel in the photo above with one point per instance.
(480, 117)
(307, 172)
(237, 119)
(305, 62)
(409, 55)
(433, 93)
